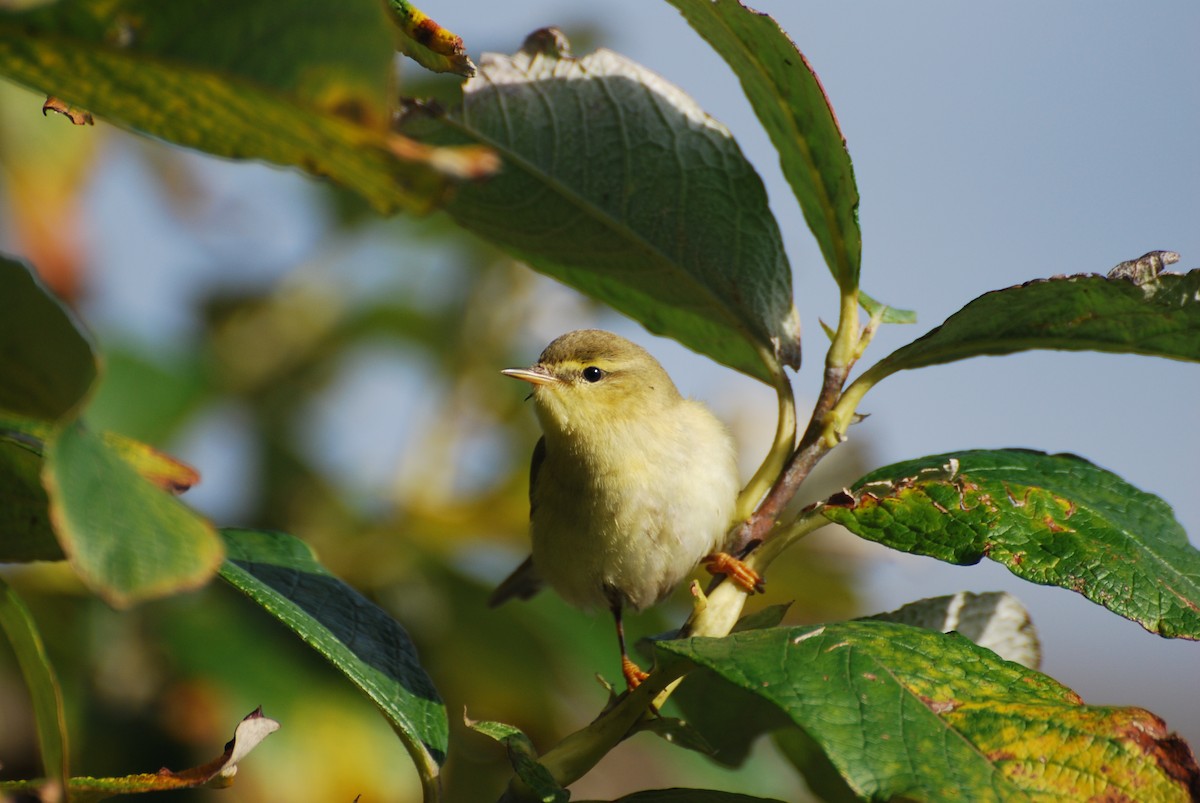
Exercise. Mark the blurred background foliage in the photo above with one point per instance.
(335, 376)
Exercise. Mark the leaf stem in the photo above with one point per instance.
(776, 459)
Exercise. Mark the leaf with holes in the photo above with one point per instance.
(1052, 519)
(1159, 317)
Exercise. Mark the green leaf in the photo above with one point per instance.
(524, 759)
(44, 690)
(886, 314)
(1160, 317)
(45, 359)
(126, 539)
(906, 712)
(306, 87)
(727, 721)
(25, 531)
(821, 777)
(1051, 519)
(616, 183)
(371, 649)
(426, 42)
(792, 106)
(687, 796)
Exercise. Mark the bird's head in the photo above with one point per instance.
(587, 377)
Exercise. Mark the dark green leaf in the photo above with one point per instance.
(127, 539)
(370, 648)
(25, 531)
(1051, 519)
(44, 691)
(294, 85)
(810, 760)
(727, 721)
(524, 759)
(687, 796)
(791, 105)
(45, 359)
(906, 712)
(618, 184)
(1160, 317)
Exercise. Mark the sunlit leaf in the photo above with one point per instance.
(792, 106)
(1160, 317)
(44, 691)
(1051, 519)
(369, 647)
(45, 359)
(126, 539)
(617, 183)
(429, 44)
(904, 712)
(304, 87)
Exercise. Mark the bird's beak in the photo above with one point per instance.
(537, 375)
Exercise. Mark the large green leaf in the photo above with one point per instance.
(1159, 317)
(906, 712)
(127, 539)
(615, 182)
(44, 690)
(369, 647)
(791, 105)
(45, 359)
(1051, 519)
(295, 85)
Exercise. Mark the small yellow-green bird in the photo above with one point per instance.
(631, 484)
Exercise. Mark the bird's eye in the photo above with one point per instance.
(593, 374)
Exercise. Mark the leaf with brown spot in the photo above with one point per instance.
(219, 772)
(242, 79)
(1051, 519)
(428, 43)
(973, 726)
(76, 116)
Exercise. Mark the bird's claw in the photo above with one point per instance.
(737, 571)
(634, 675)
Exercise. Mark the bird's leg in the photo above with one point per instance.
(632, 672)
(735, 570)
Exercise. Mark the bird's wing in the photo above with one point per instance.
(524, 582)
(535, 467)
